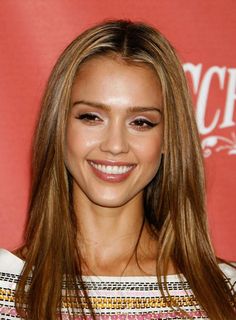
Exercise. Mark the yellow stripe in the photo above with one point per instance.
(116, 302)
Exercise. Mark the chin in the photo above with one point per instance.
(110, 203)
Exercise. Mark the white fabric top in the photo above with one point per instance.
(114, 298)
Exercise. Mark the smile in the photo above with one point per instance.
(111, 169)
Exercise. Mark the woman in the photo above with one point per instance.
(117, 223)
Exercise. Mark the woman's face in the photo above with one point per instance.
(115, 131)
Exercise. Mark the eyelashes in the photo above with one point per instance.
(138, 123)
(88, 117)
(144, 123)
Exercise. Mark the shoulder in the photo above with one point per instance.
(229, 270)
(9, 263)
(10, 270)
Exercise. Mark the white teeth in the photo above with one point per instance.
(111, 169)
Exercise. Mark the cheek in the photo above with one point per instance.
(150, 150)
(79, 142)
(152, 161)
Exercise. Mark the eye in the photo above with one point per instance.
(89, 117)
(143, 124)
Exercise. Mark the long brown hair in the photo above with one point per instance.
(174, 200)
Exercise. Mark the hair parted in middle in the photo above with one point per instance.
(174, 202)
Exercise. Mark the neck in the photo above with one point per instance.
(109, 237)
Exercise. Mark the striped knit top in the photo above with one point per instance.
(114, 298)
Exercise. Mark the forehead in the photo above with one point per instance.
(114, 58)
(114, 81)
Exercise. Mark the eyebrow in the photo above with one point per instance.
(107, 108)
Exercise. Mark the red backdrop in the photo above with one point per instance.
(33, 33)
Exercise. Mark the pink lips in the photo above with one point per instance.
(111, 177)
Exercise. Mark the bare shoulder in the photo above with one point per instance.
(21, 252)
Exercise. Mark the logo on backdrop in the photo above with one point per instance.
(223, 115)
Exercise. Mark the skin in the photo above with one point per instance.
(110, 213)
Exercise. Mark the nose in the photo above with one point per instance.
(115, 140)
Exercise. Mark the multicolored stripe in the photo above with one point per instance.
(114, 298)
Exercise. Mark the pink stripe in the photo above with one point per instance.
(168, 315)
(163, 315)
(8, 311)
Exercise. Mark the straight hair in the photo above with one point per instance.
(174, 201)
